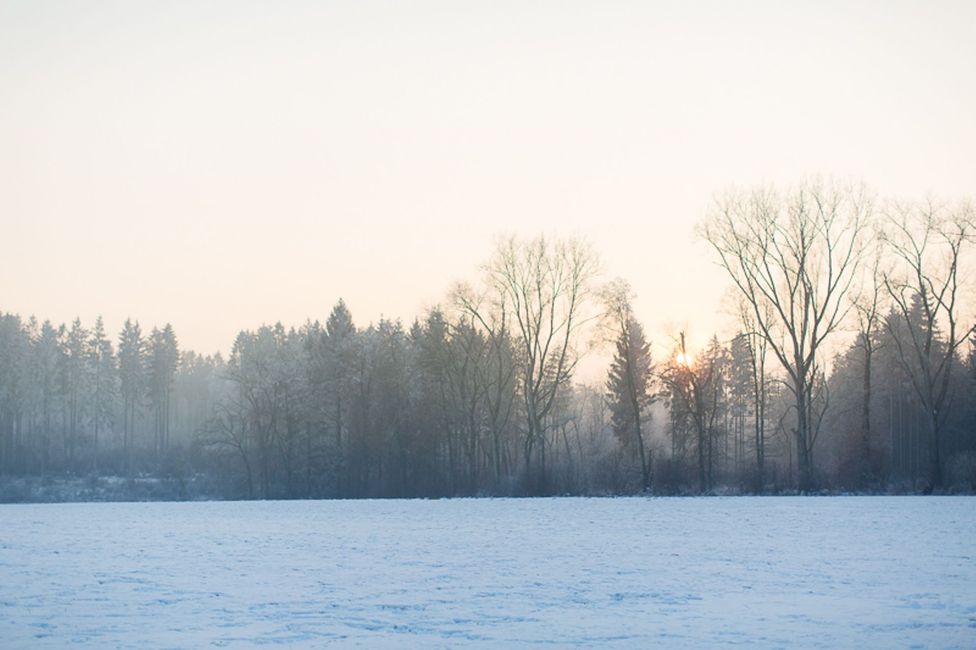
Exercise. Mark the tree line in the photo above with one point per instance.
(852, 367)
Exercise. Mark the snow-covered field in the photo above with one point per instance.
(874, 572)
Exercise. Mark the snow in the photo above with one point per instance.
(771, 572)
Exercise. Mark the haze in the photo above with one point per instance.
(219, 165)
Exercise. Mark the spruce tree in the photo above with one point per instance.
(629, 392)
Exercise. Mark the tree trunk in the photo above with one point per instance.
(867, 472)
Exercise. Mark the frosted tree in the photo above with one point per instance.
(260, 415)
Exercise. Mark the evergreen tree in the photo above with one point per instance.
(74, 369)
(46, 365)
(14, 387)
(337, 362)
(629, 392)
(131, 359)
(163, 360)
(103, 376)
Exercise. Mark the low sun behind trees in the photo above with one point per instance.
(853, 366)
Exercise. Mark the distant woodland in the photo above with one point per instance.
(853, 368)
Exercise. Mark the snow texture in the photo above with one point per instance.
(874, 572)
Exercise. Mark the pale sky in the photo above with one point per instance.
(217, 165)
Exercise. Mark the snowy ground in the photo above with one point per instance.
(875, 572)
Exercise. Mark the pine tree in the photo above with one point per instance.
(14, 347)
(337, 362)
(163, 359)
(103, 374)
(74, 369)
(132, 379)
(629, 391)
(46, 353)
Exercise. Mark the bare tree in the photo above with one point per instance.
(486, 312)
(227, 429)
(928, 240)
(541, 288)
(793, 257)
(868, 307)
(695, 386)
(131, 361)
(757, 347)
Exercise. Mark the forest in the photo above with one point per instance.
(852, 368)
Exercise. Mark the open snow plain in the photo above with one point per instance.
(873, 572)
